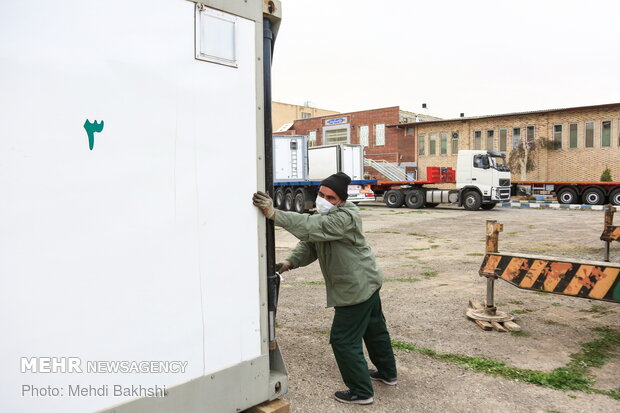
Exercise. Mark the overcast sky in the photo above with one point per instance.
(478, 56)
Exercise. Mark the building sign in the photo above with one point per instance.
(336, 121)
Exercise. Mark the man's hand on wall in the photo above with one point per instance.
(283, 266)
(265, 203)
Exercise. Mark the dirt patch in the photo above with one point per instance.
(442, 250)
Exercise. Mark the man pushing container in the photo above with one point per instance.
(334, 236)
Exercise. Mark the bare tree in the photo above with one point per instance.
(521, 157)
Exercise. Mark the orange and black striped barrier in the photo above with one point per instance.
(596, 280)
(610, 232)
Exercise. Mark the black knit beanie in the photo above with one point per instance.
(339, 183)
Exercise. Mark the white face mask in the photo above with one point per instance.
(323, 206)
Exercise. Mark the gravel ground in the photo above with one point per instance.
(443, 249)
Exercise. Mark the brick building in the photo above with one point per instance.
(368, 128)
(572, 144)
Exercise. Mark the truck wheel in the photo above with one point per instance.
(472, 201)
(300, 202)
(431, 204)
(593, 196)
(278, 200)
(394, 198)
(289, 200)
(414, 199)
(614, 197)
(567, 196)
(488, 207)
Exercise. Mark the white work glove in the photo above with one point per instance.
(265, 203)
(283, 267)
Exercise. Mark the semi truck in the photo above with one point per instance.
(481, 180)
(118, 293)
(299, 170)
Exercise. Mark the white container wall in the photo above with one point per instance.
(352, 161)
(290, 158)
(323, 161)
(115, 245)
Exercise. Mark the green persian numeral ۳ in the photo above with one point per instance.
(91, 129)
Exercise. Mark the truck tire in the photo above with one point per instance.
(299, 202)
(414, 199)
(614, 197)
(278, 198)
(394, 198)
(488, 207)
(472, 201)
(567, 196)
(430, 205)
(593, 196)
(289, 200)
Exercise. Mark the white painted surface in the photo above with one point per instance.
(290, 158)
(323, 161)
(131, 251)
(352, 161)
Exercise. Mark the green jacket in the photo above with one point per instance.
(336, 239)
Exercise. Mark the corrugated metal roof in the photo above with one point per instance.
(533, 112)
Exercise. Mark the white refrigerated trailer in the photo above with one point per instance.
(128, 284)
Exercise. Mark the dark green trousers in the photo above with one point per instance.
(351, 325)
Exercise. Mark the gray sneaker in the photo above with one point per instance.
(347, 397)
(375, 375)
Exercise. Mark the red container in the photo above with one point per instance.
(439, 175)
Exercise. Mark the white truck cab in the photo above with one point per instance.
(482, 178)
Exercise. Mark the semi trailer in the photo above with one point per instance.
(299, 170)
(480, 181)
(118, 293)
(573, 192)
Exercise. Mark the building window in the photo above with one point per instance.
(421, 142)
(336, 136)
(557, 136)
(380, 135)
(490, 139)
(312, 138)
(589, 135)
(530, 135)
(443, 143)
(364, 135)
(572, 135)
(516, 137)
(503, 140)
(306, 115)
(432, 141)
(409, 131)
(478, 140)
(455, 142)
(606, 133)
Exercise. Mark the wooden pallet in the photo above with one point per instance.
(502, 327)
(274, 406)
